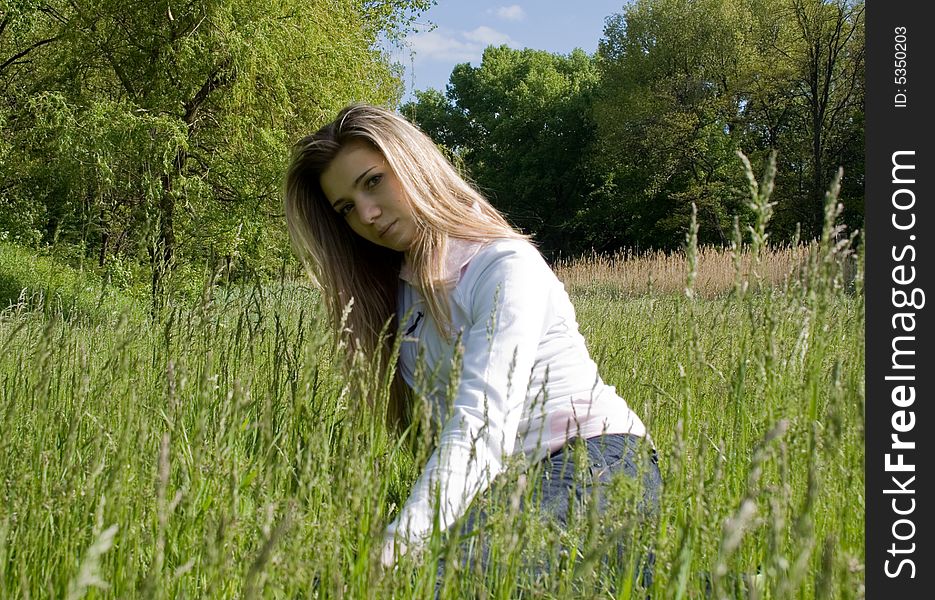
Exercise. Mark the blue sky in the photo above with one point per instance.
(464, 28)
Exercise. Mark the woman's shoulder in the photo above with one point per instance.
(504, 258)
(505, 272)
(501, 248)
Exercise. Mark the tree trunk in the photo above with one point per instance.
(163, 254)
(163, 251)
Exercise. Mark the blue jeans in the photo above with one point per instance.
(565, 482)
(562, 483)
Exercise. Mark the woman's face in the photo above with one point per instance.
(361, 187)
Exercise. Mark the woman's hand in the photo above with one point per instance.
(391, 551)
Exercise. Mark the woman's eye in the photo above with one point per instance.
(345, 209)
(374, 180)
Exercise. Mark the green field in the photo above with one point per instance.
(218, 451)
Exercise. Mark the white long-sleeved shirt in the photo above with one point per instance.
(526, 382)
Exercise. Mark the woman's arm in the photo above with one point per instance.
(506, 293)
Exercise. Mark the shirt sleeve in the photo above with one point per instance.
(507, 302)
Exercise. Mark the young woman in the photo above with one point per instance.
(381, 219)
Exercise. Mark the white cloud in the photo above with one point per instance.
(443, 45)
(434, 45)
(513, 12)
(487, 36)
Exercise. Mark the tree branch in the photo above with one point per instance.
(23, 53)
(215, 80)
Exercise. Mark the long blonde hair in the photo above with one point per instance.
(349, 268)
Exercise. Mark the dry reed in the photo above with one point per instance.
(658, 272)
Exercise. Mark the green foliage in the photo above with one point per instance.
(98, 168)
(159, 132)
(520, 123)
(809, 103)
(673, 76)
(685, 84)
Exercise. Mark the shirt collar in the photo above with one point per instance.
(460, 253)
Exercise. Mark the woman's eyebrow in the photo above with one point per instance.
(356, 183)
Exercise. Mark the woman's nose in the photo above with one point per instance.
(369, 210)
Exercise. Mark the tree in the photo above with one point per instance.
(174, 118)
(521, 124)
(827, 56)
(686, 82)
(673, 74)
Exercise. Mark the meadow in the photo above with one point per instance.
(218, 449)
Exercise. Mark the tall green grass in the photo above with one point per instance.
(40, 281)
(221, 451)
